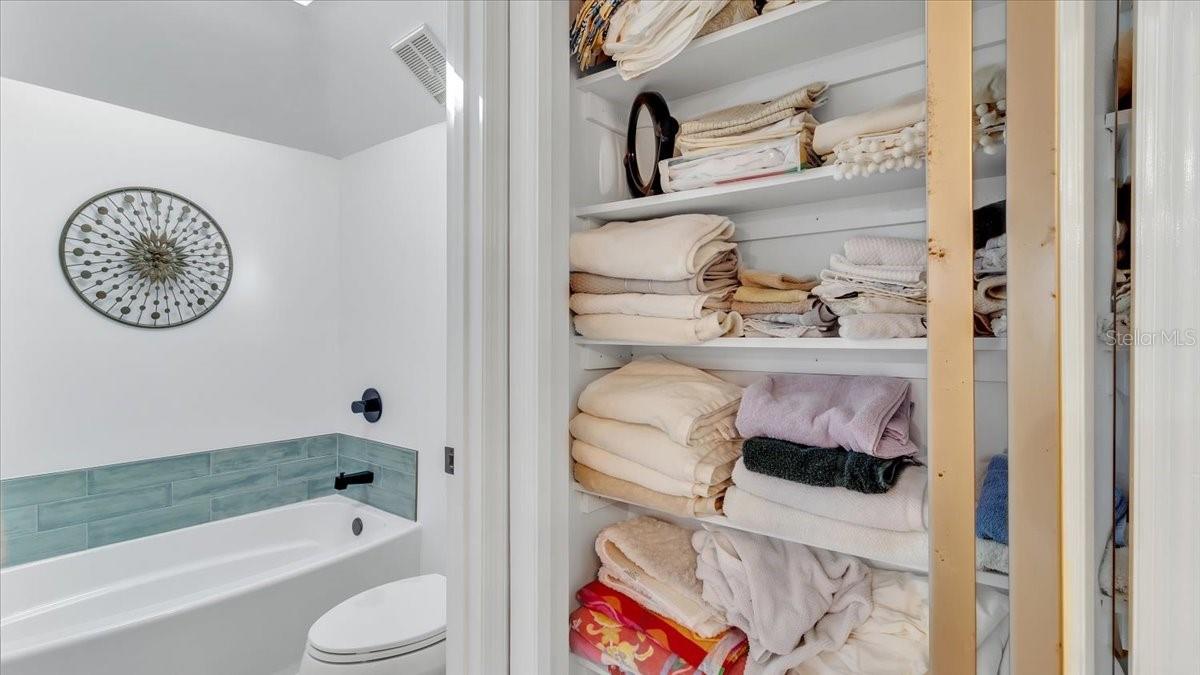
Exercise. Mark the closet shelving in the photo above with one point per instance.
(816, 344)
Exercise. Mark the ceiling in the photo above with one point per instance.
(320, 78)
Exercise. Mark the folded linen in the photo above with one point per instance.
(991, 294)
(991, 511)
(914, 290)
(992, 257)
(761, 328)
(892, 251)
(799, 126)
(673, 248)
(635, 328)
(905, 112)
(653, 562)
(755, 294)
(991, 555)
(630, 650)
(904, 508)
(688, 404)
(866, 414)
(644, 35)
(705, 463)
(869, 303)
(719, 274)
(785, 282)
(822, 467)
(898, 274)
(722, 166)
(754, 308)
(618, 467)
(748, 117)
(649, 304)
(881, 326)
(793, 602)
(749, 511)
(624, 491)
(819, 316)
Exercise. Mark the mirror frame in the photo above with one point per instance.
(665, 128)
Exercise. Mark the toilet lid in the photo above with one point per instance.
(383, 618)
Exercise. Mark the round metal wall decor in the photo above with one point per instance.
(146, 257)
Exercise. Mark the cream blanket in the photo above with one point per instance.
(619, 467)
(649, 304)
(717, 275)
(688, 404)
(704, 463)
(621, 490)
(881, 326)
(644, 34)
(673, 248)
(653, 562)
(654, 330)
(904, 112)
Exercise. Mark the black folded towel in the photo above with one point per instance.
(824, 467)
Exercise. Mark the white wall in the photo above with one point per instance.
(77, 389)
(392, 308)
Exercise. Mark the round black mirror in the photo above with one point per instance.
(650, 139)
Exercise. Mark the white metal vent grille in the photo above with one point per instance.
(420, 51)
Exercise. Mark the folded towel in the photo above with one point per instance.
(865, 414)
(618, 467)
(760, 328)
(792, 601)
(819, 316)
(719, 167)
(748, 511)
(659, 331)
(765, 279)
(867, 303)
(755, 308)
(753, 294)
(798, 126)
(650, 304)
(914, 290)
(991, 555)
(644, 35)
(999, 324)
(991, 294)
(881, 326)
(899, 274)
(653, 562)
(625, 491)
(630, 650)
(904, 112)
(893, 251)
(705, 463)
(822, 467)
(673, 248)
(992, 258)
(902, 508)
(748, 117)
(718, 274)
(991, 512)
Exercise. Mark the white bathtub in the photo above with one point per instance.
(232, 597)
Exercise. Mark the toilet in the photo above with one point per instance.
(398, 628)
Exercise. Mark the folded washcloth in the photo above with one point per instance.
(903, 508)
(705, 463)
(881, 326)
(765, 279)
(717, 275)
(625, 491)
(649, 304)
(633, 328)
(686, 403)
(673, 248)
(754, 294)
(866, 414)
(890, 251)
(618, 467)
(991, 513)
(823, 467)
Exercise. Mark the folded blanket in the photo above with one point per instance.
(755, 308)
(619, 467)
(902, 509)
(754, 294)
(630, 650)
(865, 414)
(913, 290)
(992, 258)
(673, 248)
(881, 326)
(888, 251)
(821, 467)
(718, 274)
(704, 463)
(991, 511)
(991, 294)
(719, 167)
(644, 35)
(748, 511)
(904, 112)
(792, 601)
(624, 491)
(583, 647)
(659, 331)
(653, 562)
(649, 304)
(765, 279)
(747, 117)
(899, 274)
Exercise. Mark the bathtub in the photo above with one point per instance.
(232, 597)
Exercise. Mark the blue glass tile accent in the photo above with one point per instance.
(29, 547)
(308, 469)
(319, 446)
(248, 502)
(391, 456)
(223, 484)
(98, 507)
(148, 472)
(147, 523)
(45, 488)
(21, 520)
(262, 454)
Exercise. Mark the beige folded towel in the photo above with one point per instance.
(718, 274)
(650, 304)
(843, 301)
(991, 294)
(799, 126)
(881, 326)
(619, 467)
(704, 463)
(785, 282)
(653, 562)
(659, 331)
(904, 112)
(622, 490)
(747, 117)
(673, 248)
(754, 294)
(752, 308)
(686, 403)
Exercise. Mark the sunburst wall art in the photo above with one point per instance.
(146, 257)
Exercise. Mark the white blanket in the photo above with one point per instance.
(662, 249)
(632, 328)
(706, 463)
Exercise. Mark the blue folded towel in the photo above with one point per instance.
(991, 513)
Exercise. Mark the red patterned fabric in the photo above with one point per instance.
(625, 647)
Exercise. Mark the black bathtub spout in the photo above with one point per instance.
(344, 480)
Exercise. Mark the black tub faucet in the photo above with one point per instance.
(344, 480)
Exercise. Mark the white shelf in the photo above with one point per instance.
(981, 576)
(832, 343)
(792, 35)
(805, 187)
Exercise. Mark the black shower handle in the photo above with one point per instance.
(370, 406)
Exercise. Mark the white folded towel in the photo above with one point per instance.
(618, 467)
(662, 249)
(881, 326)
(706, 463)
(871, 250)
(654, 330)
(649, 304)
(900, 274)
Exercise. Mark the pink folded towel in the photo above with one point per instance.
(865, 414)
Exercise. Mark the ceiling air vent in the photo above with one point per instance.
(420, 51)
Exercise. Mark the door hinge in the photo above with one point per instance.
(449, 460)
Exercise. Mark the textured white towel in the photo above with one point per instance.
(649, 304)
(899, 274)
(793, 602)
(663, 249)
(993, 257)
(991, 294)
(632, 472)
(654, 330)
(991, 555)
(706, 463)
(881, 326)
(901, 509)
(911, 290)
(885, 251)
(907, 549)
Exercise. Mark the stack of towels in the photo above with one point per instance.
(660, 434)
(744, 142)
(877, 288)
(667, 280)
(773, 304)
(991, 287)
(644, 34)
(828, 460)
